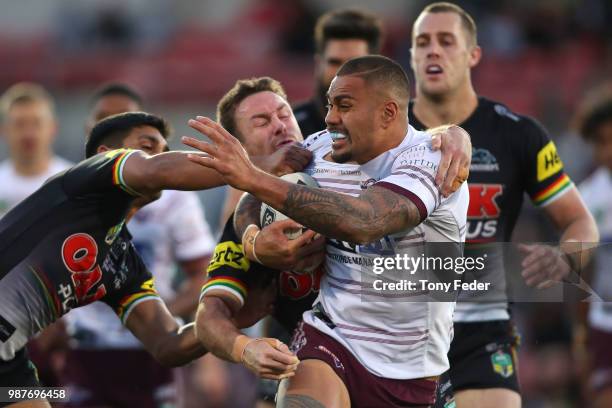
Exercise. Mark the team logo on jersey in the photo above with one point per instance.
(502, 363)
(549, 162)
(483, 160)
(365, 184)
(113, 232)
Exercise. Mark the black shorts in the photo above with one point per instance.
(18, 372)
(483, 355)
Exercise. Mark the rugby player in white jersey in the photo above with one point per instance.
(594, 121)
(357, 353)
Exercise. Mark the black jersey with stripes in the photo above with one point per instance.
(67, 246)
(231, 272)
(512, 155)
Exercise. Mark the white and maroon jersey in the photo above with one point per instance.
(166, 231)
(392, 339)
(596, 192)
(14, 187)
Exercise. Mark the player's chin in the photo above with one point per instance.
(342, 155)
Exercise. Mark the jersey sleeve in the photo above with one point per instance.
(228, 270)
(139, 288)
(413, 176)
(190, 233)
(546, 179)
(100, 173)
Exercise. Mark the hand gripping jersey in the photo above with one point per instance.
(66, 246)
(231, 271)
(392, 339)
(597, 194)
(511, 155)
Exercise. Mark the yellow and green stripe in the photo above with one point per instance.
(549, 193)
(118, 172)
(128, 302)
(228, 284)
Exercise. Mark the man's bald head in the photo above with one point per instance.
(381, 73)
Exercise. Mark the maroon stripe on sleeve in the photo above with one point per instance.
(408, 194)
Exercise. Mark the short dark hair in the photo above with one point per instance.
(595, 111)
(380, 70)
(243, 88)
(25, 92)
(114, 129)
(346, 24)
(117, 88)
(466, 19)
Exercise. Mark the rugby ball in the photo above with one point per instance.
(268, 215)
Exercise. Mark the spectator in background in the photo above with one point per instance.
(339, 36)
(168, 232)
(595, 126)
(29, 128)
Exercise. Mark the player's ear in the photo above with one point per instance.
(390, 112)
(475, 55)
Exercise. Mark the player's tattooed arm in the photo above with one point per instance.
(375, 213)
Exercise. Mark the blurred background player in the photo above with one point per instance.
(339, 36)
(594, 122)
(169, 233)
(512, 155)
(29, 128)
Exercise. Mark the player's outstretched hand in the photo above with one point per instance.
(276, 251)
(543, 265)
(456, 148)
(270, 358)
(225, 154)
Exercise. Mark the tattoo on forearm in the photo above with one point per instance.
(377, 212)
(247, 213)
(299, 401)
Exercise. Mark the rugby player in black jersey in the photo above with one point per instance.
(240, 290)
(67, 246)
(512, 155)
(339, 35)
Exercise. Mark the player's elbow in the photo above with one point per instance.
(359, 235)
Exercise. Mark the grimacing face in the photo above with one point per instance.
(265, 123)
(442, 56)
(336, 53)
(30, 129)
(351, 118)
